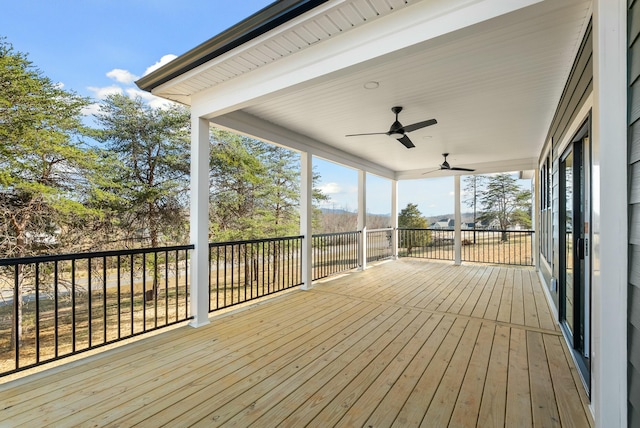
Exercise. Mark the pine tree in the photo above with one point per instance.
(43, 164)
(148, 157)
(410, 217)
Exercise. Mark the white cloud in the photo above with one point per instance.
(164, 60)
(122, 76)
(103, 92)
(91, 110)
(331, 188)
(152, 100)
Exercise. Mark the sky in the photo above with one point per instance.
(100, 47)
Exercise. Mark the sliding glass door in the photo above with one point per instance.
(575, 294)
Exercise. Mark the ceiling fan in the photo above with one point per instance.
(444, 166)
(398, 131)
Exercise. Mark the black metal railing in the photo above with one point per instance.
(245, 270)
(426, 243)
(56, 306)
(511, 247)
(333, 253)
(379, 244)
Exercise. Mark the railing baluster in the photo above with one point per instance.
(166, 287)
(132, 295)
(177, 283)
(154, 290)
(90, 305)
(73, 305)
(144, 292)
(104, 299)
(55, 307)
(17, 300)
(37, 317)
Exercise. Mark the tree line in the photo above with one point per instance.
(123, 180)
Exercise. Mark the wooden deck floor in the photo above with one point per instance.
(405, 343)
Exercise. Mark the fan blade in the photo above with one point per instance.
(419, 125)
(432, 171)
(406, 141)
(372, 133)
(461, 169)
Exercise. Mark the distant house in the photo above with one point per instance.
(444, 223)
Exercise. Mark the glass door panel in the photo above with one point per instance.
(567, 166)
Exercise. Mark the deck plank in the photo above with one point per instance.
(529, 302)
(506, 299)
(543, 404)
(518, 391)
(361, 410)
(517, 301)
(386, 412)
(443, 402)
(467, 407)
(420, 398)
(570, 408)
(494, 396)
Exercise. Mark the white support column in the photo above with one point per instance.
(457, 243)
(535, 223)
(394, 219)
(609, 214)
(362, 217)
(306, 217)
(199, 221)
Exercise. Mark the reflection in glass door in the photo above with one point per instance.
(575, 295)
(567, 170)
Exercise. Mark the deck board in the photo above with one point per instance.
(405, 343)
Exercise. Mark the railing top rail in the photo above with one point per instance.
(470, 230)
(384, 229)
(351, 232)
(91, 255)
(254, 241)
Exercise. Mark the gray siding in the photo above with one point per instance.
(634, 214)
(576, 91)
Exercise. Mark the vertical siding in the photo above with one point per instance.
(576, 91)
(634, 213)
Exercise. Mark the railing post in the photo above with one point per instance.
(362, 217)
(306, 212)
(457, 227)
(199, 221)
(394, 219)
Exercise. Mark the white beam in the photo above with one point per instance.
(252, 126)
(362, 217)
(457, 227)
(394, 218)
(306, 215)
(610, 270)
(509, 165)
(535, 221)
(199, 221)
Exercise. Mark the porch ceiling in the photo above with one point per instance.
(493, 86)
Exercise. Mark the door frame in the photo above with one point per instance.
(579, 341)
